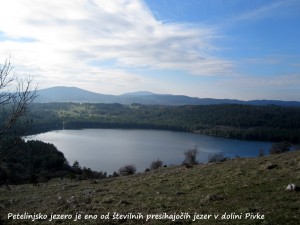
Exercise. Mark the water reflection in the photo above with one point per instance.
(109, 149)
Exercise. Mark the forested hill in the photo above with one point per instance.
(73, 94)
(269, 123)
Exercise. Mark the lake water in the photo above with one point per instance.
(109, 149)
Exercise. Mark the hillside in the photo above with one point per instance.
(239, 187)
(268, 123)
(73, 94)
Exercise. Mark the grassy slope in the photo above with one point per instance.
(235, 186)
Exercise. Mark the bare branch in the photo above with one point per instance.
(14, 102)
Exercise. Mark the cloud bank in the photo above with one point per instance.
(74, 41)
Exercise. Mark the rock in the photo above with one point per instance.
(291, 187)
(71, 199)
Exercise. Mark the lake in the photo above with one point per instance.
(109, 149)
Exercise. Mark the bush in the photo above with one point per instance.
(115, 174)
(127, 170)
(76, 167)
(190, 157)
(156, 164)
(217, 157)
(280, 147)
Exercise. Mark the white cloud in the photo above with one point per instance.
(274, 9)
(56, 40)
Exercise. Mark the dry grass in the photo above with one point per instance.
(237, 186)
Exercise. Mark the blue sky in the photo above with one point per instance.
(235, 49)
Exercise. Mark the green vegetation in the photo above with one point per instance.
(268, 123)
(239, 186)
(31, 159)
(35, 161)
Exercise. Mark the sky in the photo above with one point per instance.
(234, 49)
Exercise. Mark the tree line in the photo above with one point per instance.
(36, 161)
(267, 123)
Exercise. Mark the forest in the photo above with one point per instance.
(36, 161)
(266, 123)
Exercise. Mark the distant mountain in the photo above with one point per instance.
(73, 94)
(139, 93)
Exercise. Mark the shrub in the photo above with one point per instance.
(127, 170)
(156, 164)
(76, 167)
(217, 157)
(280, 147)
(190, 157)
(115, 174)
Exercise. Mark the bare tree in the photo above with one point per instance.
(217, 157)
(191, 157)
(15, 98)
(156, 164)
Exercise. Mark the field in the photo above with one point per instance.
(252, 187)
